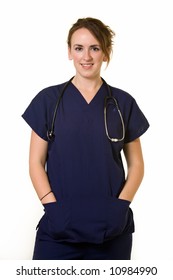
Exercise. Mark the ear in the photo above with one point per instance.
(105, 58)
(69, 54)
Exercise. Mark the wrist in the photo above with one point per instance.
(48, 198)
(125, 197)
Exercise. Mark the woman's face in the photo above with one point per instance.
(86, 53)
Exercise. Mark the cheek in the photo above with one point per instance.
(74, 56)
(104, 58)
(100, 58)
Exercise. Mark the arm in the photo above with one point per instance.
(37, 161)
(135, 166)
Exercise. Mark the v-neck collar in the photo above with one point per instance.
(77, 92)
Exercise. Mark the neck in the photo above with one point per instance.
(86, 83)
(87, 87)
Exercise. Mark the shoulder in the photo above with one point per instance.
(124, 99)
(44, 101)
(121, 94)
(50, 93)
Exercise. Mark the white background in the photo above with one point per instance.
(33, 55)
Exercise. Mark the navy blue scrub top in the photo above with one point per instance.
(84, 167)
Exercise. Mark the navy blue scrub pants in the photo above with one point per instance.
(116, 249)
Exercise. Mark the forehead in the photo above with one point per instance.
(83, 36)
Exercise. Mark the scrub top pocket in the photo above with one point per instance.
(56, 216)
(92, 220)
(119, 217)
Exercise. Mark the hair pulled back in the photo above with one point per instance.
(100, 31)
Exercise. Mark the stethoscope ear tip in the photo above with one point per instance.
(50, 135)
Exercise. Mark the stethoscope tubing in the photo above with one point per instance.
(50, 132)
(107, 98)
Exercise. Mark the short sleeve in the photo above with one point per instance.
(137, 124)
(38, 114)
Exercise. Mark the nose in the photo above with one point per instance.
(87, 55)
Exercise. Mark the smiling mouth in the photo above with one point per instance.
(87, 64)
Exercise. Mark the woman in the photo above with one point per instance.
(75, 165)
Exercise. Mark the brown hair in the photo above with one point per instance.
(100, 31)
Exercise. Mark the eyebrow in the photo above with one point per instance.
(79, 45)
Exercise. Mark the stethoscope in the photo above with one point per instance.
(109, 97)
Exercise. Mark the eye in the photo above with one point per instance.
(78, 49)
(95, 49)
